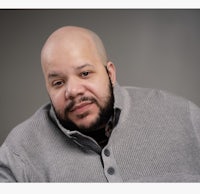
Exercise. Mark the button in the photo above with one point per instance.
(107, 152)
(111, 170)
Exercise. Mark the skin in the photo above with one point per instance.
(74, 64)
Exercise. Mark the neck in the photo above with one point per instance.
(99, 136)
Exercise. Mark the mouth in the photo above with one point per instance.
(82, 107)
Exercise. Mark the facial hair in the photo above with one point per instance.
(104, 115)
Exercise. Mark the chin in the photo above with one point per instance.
(86, 122)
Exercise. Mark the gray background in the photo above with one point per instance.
(150, 48)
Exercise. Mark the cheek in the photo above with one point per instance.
(57, 99)
(99, 89)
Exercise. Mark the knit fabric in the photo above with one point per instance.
(157, 139)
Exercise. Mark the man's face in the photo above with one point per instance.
(80, 88)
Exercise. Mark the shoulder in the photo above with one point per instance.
(151, 95)
(38, 118)
(146, 99)
(29, 130)
(156, 105)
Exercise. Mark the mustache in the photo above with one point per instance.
(71, 105)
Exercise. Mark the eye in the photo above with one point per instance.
(58, 83)
(85, 74)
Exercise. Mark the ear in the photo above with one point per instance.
(111, 72)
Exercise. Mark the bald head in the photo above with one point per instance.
(71, 38)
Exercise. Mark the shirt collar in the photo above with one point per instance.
(112, 122)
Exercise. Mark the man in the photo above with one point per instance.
(96, 131)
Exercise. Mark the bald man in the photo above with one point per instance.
(94, 130)
(79, 80)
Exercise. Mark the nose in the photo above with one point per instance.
(74, 88)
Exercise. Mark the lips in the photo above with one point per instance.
(80, 107)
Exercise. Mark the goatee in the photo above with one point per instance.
(104, 113)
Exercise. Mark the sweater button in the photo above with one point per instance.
(111, 170)
(107, 152)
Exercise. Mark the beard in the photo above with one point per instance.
(102, 118)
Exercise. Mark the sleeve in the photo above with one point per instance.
(195, 118)
(11, 166)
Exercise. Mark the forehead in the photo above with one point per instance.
(65, 63)
(62, 54)
(71, 61)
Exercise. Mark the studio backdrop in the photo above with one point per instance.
(150, 48)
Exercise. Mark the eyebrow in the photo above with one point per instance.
(82, 66)
(60, 74)
(55, 74)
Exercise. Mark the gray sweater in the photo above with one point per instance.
(157, 139)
